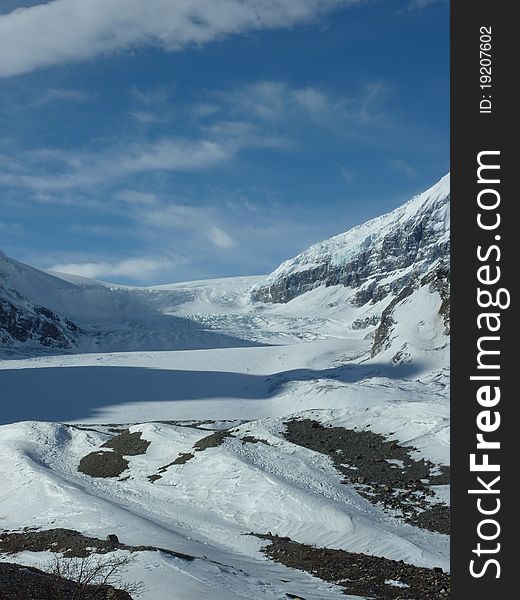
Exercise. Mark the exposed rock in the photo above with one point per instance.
(251, 439)
(103, 464)
(437, 280)
(70, 543)
(364, 322)
(182, 459)
(212, 441)
(360, 574)
(113, 539)
(128, 444)
(384, 472)
(22, 582)
(23, 322)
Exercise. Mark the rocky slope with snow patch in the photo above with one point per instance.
(30, 325)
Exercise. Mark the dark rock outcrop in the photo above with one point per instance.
(18, 581)
(23, 322)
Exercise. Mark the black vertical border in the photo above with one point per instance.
(471, 133)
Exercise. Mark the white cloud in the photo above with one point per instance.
(277, 101)
(143, 117)
(403, 167)
(418, 4)
(62, 31)
(60, 95)
(139, 269)
(199, 221)
(220, 238)
(55, 170)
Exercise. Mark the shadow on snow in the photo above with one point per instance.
(74, 393)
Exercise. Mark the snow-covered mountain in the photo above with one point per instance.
(395, 270)
(374, 259)
(244, 438)
(43, 312)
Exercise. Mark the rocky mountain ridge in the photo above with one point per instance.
(376, 259)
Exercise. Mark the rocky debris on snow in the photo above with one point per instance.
(365, 322)
(360, 574)
(182, 459)
(434, 518)
(111, 464)
(251, 439)
(22, 582)
(212, 441)
(70, 543)
(128, 444)
(383, 471)
(103, 464)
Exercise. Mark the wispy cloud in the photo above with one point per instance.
(402, 166)
(137, 269)
(143, 117)
(44, 170)
(57, 170)
(274, 101)
(151, 96)
(137, 198)
(418, 4)
(347, 174)
(200, 221)
(11, 228)
(60, 95)
(70, 30)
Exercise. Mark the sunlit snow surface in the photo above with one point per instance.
(206, 506)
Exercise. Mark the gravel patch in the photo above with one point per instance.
(361, 574)
(383, 471)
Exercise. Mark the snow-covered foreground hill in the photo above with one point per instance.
(319, 417)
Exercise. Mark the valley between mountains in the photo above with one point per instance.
(270, 437)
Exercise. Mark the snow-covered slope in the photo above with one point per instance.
(42, 313)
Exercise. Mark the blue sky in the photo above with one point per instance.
(149, 141)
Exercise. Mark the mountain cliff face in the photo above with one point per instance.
(378, 258)
(24, 322)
